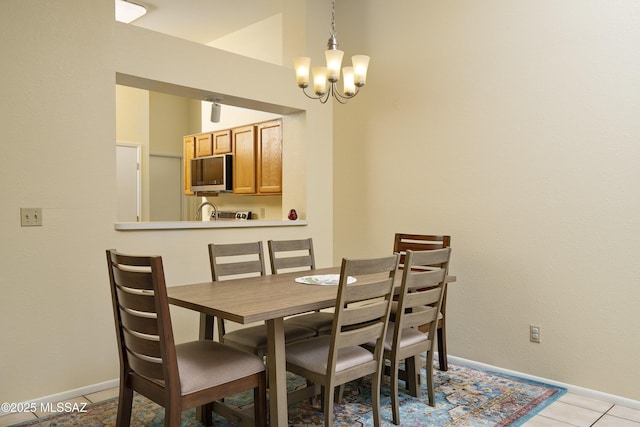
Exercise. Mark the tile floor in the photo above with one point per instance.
(571, 410)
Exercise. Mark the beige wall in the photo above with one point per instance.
(57, 121)
(513, 127)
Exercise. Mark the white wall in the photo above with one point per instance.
(57, 127)
(513, 127)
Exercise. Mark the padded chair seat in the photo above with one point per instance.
(313, 355)
(204, 364)
(255, 337)
(319, 321)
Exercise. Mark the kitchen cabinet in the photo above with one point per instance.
(188, 153)
(269, 159)
(257, 156)
(203, 145)
(244, 160)
(221, 141)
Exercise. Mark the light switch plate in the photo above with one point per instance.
(31, 217)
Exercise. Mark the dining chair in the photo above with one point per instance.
(419, 301)
(177, 377)
(297, 255)
(361, 315)
(422, 242)
(235, 260)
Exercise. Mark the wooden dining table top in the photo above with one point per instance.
(255, 299)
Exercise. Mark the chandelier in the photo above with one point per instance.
(325, 79)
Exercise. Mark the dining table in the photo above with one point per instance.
(269, 299)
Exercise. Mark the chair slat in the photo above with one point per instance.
(133, 279)
(360, 291)
(236, 268)
(360, 336)
(137, 302)
(361, 314)
(139, 323)
(292, 262)
(146, 346)
(145, 367)
(291, 254)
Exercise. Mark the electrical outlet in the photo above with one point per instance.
(534, 333)
(31, 217)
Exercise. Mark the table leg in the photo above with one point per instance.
(277, 369)
(203, 413)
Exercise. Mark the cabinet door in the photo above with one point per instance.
(244, 160)
(203, 145)
(188, 152)
(269, 161)
(222, 142)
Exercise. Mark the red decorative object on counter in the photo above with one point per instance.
(293, 215)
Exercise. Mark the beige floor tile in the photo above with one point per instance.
(586, 402)
(102, 395)
(626, 413)
(610, 421)
(15, 418)
(80, 401)
(540, 421)
(574, 415)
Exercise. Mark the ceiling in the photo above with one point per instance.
(202, 21)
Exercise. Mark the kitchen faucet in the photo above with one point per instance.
(214, 214)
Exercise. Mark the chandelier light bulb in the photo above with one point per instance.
(348, 82)
(334, 63)
(302, 64)
(360, 65)
(319, 80)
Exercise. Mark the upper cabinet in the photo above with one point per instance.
(222, 142)
(257, 156)
(269, 160)
(203, 145)
(244, 160)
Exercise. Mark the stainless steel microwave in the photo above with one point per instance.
(212, 174)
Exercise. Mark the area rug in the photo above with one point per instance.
(464, 397)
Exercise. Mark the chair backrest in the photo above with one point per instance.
(235, 259)
(422, 291)
(418, 242)
(291, 254)
(141, 314)
(362, 308)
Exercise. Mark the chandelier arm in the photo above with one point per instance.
(344, 98)
(322, 98)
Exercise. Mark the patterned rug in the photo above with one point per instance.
(464, 397)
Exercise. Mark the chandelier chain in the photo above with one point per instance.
(333, 18)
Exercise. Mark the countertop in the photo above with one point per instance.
(187, 225)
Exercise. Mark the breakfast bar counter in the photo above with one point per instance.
(186, 225)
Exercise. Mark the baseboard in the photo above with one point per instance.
(618, 400)
(70, 394)
(586, 392)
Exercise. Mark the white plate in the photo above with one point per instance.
(323, 279)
